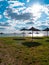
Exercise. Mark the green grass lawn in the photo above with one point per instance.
(24, 51)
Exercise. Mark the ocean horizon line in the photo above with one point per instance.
(39, 34)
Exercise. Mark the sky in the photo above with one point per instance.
(18, 14)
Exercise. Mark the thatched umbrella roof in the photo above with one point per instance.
(23, 29)
(1, 33)
(34, 29)
(47, 29)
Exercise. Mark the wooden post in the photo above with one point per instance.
(47, 33)
(32, 34)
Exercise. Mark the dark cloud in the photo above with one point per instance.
(4, 24)
(29, 23)
(43, 17)
(2, 28)
(25, 16)
(42, 26)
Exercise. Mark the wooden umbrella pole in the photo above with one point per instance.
(47, 33)
(32, 34)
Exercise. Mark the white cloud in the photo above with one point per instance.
(15, 3)
(46, 9)
(17, 10)
(16, 24)
(11, 28)
(35, 10)
(12, 23)
(35, 13)
(2, 23)
(21, 8)
(0, 16)
(5, 27)
(6, 14)
(28, 0)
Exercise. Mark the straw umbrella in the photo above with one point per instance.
(24, 29)
(33, 29)
(1, 33)
(47, 29)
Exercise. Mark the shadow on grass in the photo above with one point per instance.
(19, 39)
(31, 44)
(37, 38)
(47, 40)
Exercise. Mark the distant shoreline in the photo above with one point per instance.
(40, 34)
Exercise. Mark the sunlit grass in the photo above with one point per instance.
(24, 51)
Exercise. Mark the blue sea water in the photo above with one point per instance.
(26, 34)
